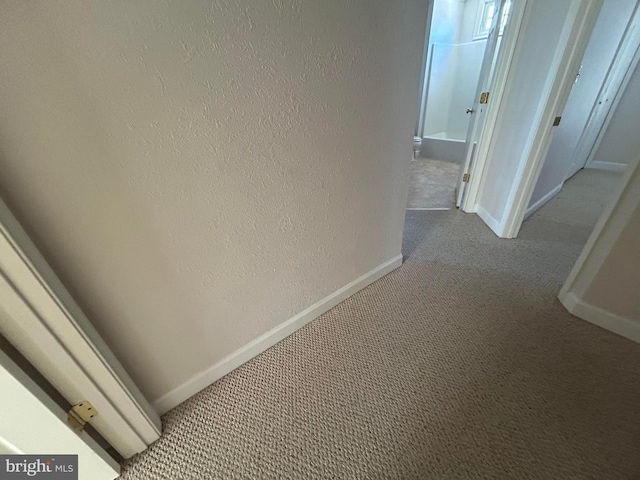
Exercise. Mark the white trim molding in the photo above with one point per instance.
(626, 327)
(32, 422)
(532, 208)
(608, 166)
(506, 55)
(41, 320)
(487, 218)
(229, 363)
(429, 209)
(609, 226)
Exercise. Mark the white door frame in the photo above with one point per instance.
(33, 424)
(577, 31)
(42, 321)
(478, 111)
(503, 64)
(505, 57)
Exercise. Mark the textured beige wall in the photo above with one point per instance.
(615, 287)
(197, 172)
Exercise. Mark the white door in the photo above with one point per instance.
(483, 93)
(550, 44)
(32, 424)
(622, 66)
(588, 103)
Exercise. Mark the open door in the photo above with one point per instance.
(33, 424)
(483, 91)
(550, 40)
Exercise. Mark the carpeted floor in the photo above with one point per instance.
(432, 184)
(461, 364)
(582, 198)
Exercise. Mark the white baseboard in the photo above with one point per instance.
(431, 209)
(607, 320)
(532, 208)
(255, 347)
(609, 166)
(489, 220)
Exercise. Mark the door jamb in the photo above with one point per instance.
(43, 322)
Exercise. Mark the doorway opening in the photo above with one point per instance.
(583, 146)
(461, 51)
(598, 196)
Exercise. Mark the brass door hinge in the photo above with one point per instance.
(556, 122)
(80, 414)
(465, 178)
(484, 97)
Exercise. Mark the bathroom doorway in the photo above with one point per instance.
(459, 62)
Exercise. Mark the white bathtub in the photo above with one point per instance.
(440, 147)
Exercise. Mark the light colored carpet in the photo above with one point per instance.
(461, 364)
(432, 184)
(584, 196)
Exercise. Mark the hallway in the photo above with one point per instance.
(461, 364)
